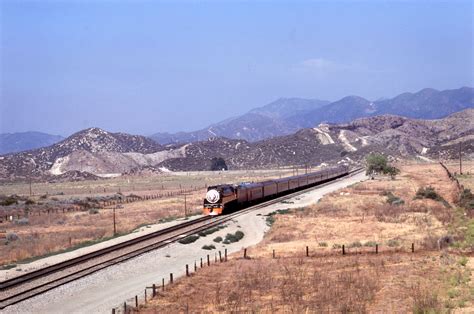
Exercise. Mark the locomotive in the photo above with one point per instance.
(228, 197)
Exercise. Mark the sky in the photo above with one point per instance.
(164, 66)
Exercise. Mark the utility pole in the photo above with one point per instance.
(185, 207)
(115, 228)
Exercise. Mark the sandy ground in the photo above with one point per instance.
(100, 292)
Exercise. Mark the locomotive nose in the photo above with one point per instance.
(212, 196)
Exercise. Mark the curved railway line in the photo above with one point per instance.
(34, 283)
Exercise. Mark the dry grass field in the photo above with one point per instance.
(40, 233)
(381, 211)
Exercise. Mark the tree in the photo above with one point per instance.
(377, 163)
(218, 164)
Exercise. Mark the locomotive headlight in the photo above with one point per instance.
(212, 196)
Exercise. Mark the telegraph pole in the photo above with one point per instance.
(185, 209)
(115, 228)
(460, 158)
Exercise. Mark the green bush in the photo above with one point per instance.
(208, 247)
(217, 239)
(189, 239)
(370, 243)
(93, 211)
(393, 243)
(322, 244)
(466, 199)
(22, 221)
(231, 238)
(9, 200)
(394, 200)
(355, 244)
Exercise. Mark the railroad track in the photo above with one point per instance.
(34, 283)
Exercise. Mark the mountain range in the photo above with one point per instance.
(17, 142)
(288, 115)
(100, 153)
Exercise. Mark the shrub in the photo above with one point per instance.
(355, 244)
(322, 244)
(10, 200)
(93, 211)
(466, 199)
(393, 243)
(231, 238)
(218, 164)
(377, 163)
(394, 200)
(430, 193)
(217, 239)
(22, 221)
(29, 202)
(12, 237)
(189, 239)
(208, 247)
(370, 243)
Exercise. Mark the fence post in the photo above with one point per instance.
(208, 260)
(201, 262)
(195, 267)
(187, 270)
(113, 311)
(215, 257)
(225, 255)
(136, 301)
(145, 295)
(376, 249)
(273, 253)
(171, 277)
(245, 253)
(162, 284)
(154, 290)
(307, 251)
(413, 247)
(220, 256)
(125, 307)
(343, 250)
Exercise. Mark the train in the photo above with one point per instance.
(224, 198)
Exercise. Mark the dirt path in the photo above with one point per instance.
(101, 291)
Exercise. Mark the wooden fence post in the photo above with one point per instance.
(171, 277)
(145, 296)
(136, 301)
(245, 253)
(307, 251)
(220, 256)
(376, 249)
(195, 267)
(208, 260)
(113, 311)
(162, 284)
(154, 290)
(225, 255)
(125, 307)
(343, 250)
(273, 253)
(187, 270)
(201, 262)
(413, 247)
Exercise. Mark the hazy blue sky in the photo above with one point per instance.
(144, 67)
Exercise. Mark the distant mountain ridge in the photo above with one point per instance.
(22, 141)
(288, 115)
(95, 152)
